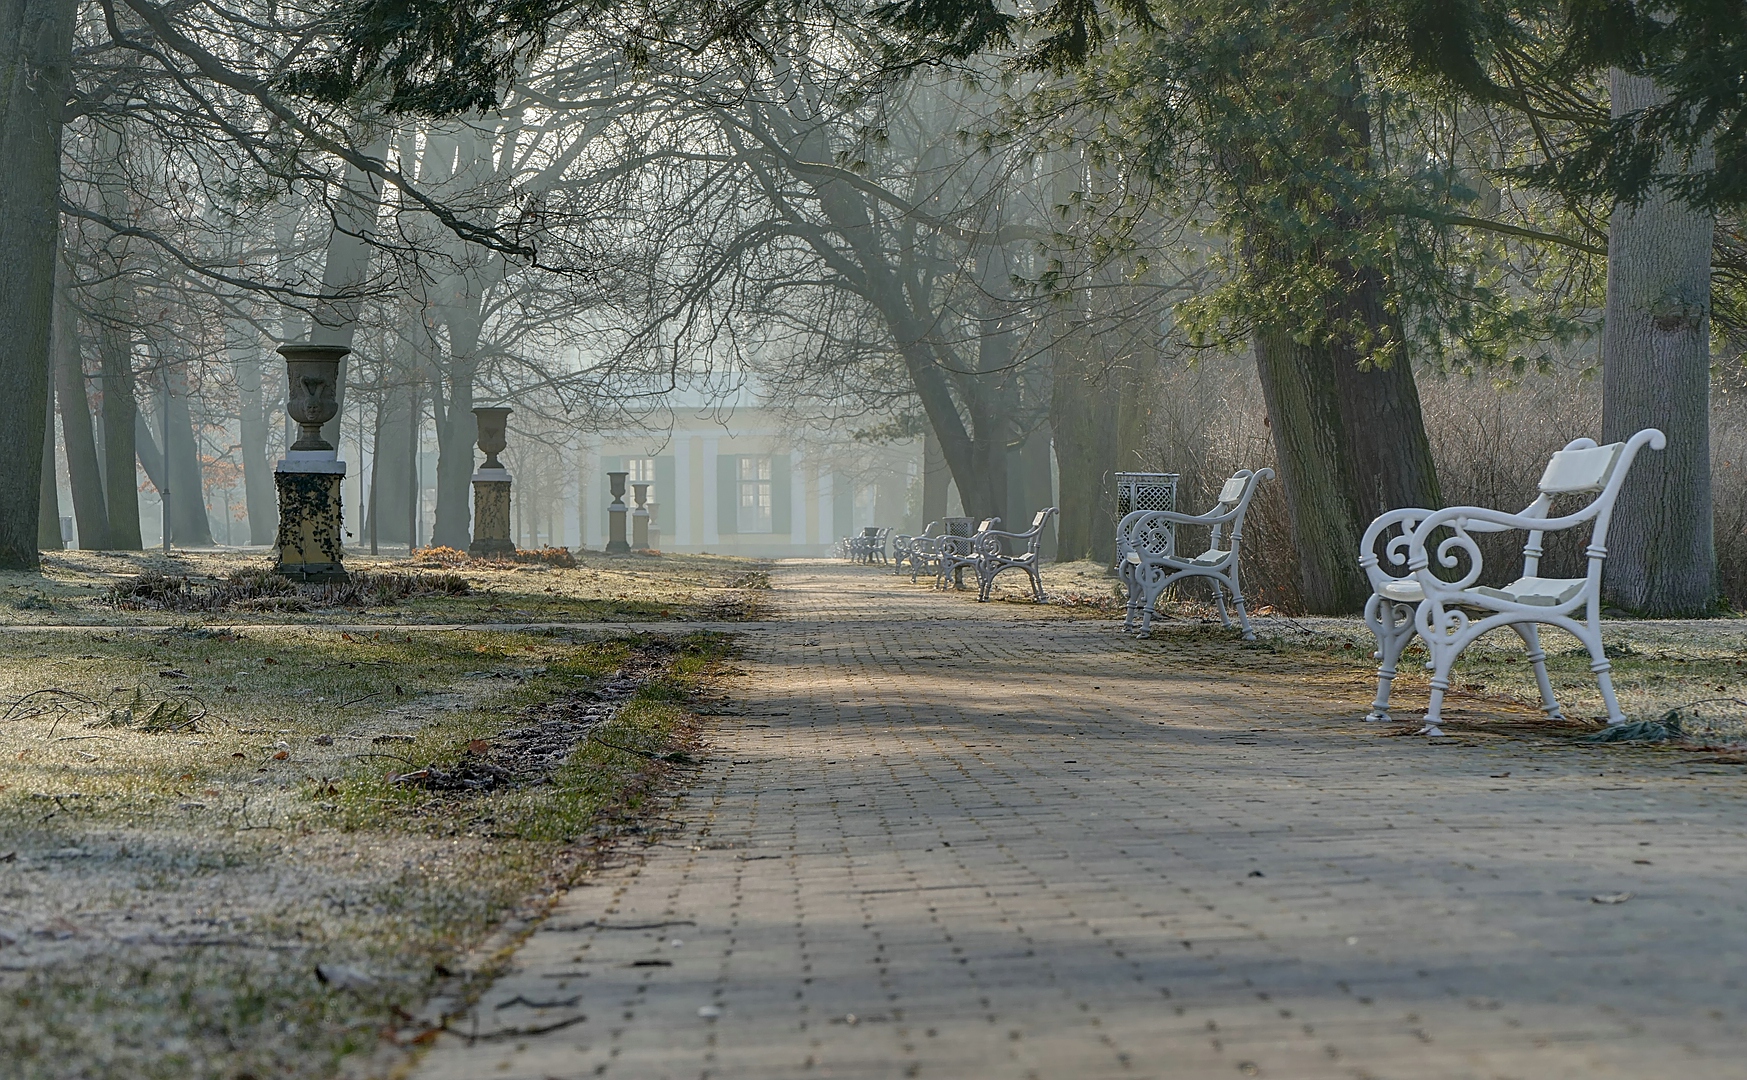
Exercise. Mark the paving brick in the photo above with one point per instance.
(941, 839)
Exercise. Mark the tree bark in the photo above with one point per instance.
(84, 475)
(260, 501)
(1656, 372)
(120, 423)
(48, 503)
(346, 270)
(112, 315)
(456, 432)
(1082, 418)
(36, 47)
(935, 479)
(190, 524)
(1301, 387)
(391, 461)
(1350, 439)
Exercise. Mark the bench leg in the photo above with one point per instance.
(1036, 583)
(1392, 625)
(1219, 599)
(1127, 573)
(1603, 668)
(1243, 614)
(1149, 599)
(1531, 636)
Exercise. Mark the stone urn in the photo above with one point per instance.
(492, 422)
(640, 516)
(313, 389)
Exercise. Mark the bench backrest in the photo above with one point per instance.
(1580, 470)
(1034, 539)
(1236, 495)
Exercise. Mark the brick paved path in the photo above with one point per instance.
(951, 840)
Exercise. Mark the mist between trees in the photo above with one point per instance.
(1221, 236)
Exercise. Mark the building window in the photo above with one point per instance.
(642, 471)
(755, 496)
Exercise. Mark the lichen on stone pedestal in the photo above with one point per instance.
(491, 518)
(308, 546)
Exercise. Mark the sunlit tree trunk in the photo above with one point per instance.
(1656, 372)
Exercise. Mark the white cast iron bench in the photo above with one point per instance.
(904, 544)
(993, 556)
(1146, 542)
(925, 549)
(1451, 615)
(956, 553)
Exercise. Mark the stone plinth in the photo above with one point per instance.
(310, 522)
(616, 542)
(491, 515)
(640, 517)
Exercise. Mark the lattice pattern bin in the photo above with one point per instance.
(1145, 491)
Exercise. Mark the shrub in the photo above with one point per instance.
(1490, 438)
(551, 556)
(439, 556)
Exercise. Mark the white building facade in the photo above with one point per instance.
(751, 487)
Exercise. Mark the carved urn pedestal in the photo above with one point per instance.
(640, 516)
(491, 489)
(308, 547)
(616, 542)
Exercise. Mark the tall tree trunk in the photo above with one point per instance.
(259, 499)
(1071, 427)
(112, 315)
(347, 269)
(1083, 419)
(456, 433)
(121, 421)
(987, 395)
(1350, 441)
(1029, 486)
(48, 503)
(36, 48)
(390, 461)
(900, 304)
(1301, 387)
(1656, 372)
(935, 479)
(190, 524)
(84, 475)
